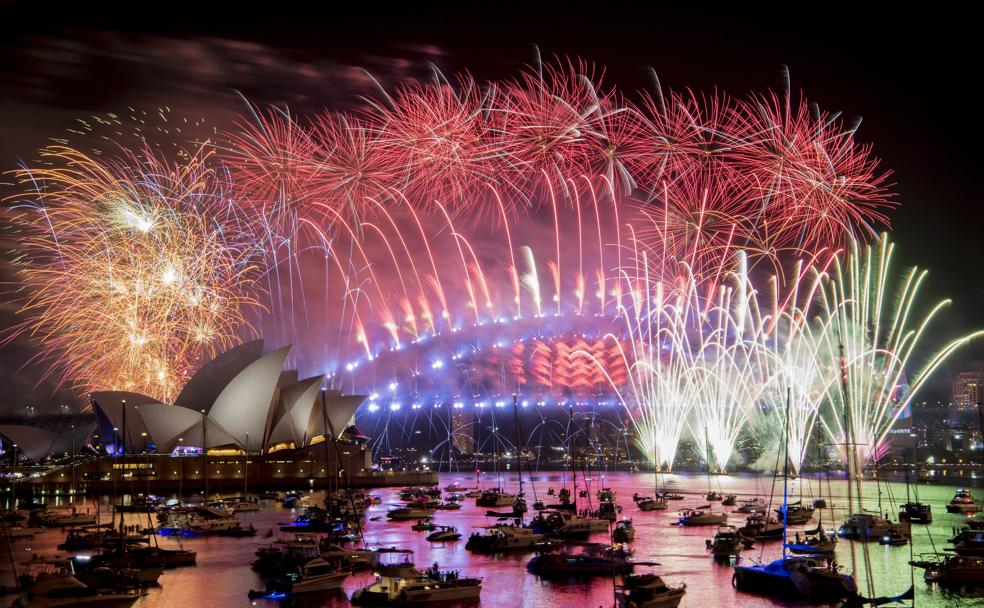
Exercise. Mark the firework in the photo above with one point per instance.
(136, 272)
(783, 178)
(865, 340)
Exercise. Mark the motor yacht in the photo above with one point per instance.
(503, 538)
(700, 517)
(962, 502)
(401, 584)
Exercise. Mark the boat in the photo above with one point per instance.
(356, 559)
(727, 543)
(916, 512)
(713, 496)
(423, 525)
(140, 504)
(756, 505)
(870, 527)
(652, 504)
(699, 517)
(761, 528)
(98, 536)
(56, 519)
(453, 506)
(730, 500)
(58, 587)
(315, 576)
(503, 538)
(894, 538)
(797, 576)
(671, 496)
(945, 569)
(962, 502)
(409, 513)
(607, 510)
(401, 584)
(813, 542)
(795, 514)
(647, 591)
(473, 494)
(20, 532)
(287, 553)
(564, 524)
(217, 527)
(454, 487)
(593, 560)
(495, 498)
(112, 570)
(623, 532)
(969, 543)
(444, 534)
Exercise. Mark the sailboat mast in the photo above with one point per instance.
(519, 446)
(246, 468)
(785, 472)
(707, 457)
(205, 452)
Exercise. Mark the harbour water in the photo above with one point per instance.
(223, 575)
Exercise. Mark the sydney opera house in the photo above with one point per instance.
(251, 420)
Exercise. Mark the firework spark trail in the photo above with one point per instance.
(879, 327)
(787, 178)
(136, 267)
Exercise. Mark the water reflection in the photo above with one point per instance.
(223, 576)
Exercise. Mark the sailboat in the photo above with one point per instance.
(656, 502)
(794, 576)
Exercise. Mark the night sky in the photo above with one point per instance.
(911, 80)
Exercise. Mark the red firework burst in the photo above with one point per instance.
(816, 186)
(547, 122)
(270, 160)
(349, 171)
(439, 139)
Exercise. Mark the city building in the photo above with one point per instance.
(463, 431)
(968, 390)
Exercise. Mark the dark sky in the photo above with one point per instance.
(910, 77)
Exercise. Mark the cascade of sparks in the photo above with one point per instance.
(865, 340)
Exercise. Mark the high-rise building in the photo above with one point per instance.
(463, 431)
(968, 390)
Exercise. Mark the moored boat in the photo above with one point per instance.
(503, 538)
(401, 584)
(647, 591)
(623, 532)
(945, 569)
(592, 560)
(727, 543)
(699, 517)
(962, 502)
(916, 512)
(796, 577)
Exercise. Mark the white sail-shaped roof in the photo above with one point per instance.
(33, 442)
(173, 425)
(76, 438)
(204, 388)
(296, 402)
(244, 404)
(111, 405)
(339, 411)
